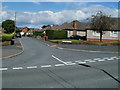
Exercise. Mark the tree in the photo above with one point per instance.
(44, 26)
(101, 22)
(9, 26)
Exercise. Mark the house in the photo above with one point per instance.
(83, 30)
(109, 35)
(73, 28)
(30, 32)
(24, 31)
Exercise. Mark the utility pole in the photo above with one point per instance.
(15, 21)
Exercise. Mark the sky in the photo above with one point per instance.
(35, 14)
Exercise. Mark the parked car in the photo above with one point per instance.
(18, 35)
(75, 37)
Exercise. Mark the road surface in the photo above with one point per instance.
(42, 66)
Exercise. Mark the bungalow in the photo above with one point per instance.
(83, 29)
(108, 35)
(73, 28)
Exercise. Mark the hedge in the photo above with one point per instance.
(38, 33)
(56, 34)
(6, 37)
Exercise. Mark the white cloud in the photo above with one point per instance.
(36, 19)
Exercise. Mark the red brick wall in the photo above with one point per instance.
(89, 39)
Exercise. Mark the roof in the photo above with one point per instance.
(67, 26)
(115, 25)
(80, 26)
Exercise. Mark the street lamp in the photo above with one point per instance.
(85, 65)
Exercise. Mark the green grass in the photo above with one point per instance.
(73, 40)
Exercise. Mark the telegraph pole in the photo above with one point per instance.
(15, 21)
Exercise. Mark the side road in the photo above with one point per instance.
(85, 48)
(12, 50)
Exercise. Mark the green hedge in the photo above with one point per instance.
(6, 37)
(56, 34)
(38, 33)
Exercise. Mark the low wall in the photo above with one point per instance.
(5, 43)
(87, 43)
(90, 39)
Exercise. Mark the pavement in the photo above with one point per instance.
(86, 47)
(43, 66)
(11, 50)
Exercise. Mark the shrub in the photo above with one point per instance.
(56, 34)
(38, 33)
(6, 37)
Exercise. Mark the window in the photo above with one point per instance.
(69, 32)
(95, 33)
(114, 33)
(78, 32)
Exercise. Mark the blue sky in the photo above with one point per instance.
(53, 6)
(36, 14)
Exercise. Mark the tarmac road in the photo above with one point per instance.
(41, 66)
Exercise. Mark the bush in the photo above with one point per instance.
(56, 34)
(6, 37)
(38, 33)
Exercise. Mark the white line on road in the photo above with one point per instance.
(96, 58)
(2, 69)
(46, 66)
(59, 65)
(70, 63)
(101, 60)
(58, 59)
(80, 62)
(92, 61)
(17, 68)
(60, 48)
(32, 67)
(87, 60)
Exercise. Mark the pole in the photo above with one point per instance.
(15, 22)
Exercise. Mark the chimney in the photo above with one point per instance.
(74, 28)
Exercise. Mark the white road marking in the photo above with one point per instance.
(60, 48)
(96, 58)
(92, 61)
(78, 61)
(32, 67)
(82, 62)
(46, 66)
(17, 68)
(115, 58)
(58, 59)
(87, 60)
(110, 59)
(105, 58)
(70, 63)
(2, 69)
(59, 65)
(101, 60)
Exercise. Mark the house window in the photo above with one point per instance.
(69, 32)
(114, 33)
(95, 33)
(78, 32)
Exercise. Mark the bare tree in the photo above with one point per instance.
(101, 23)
